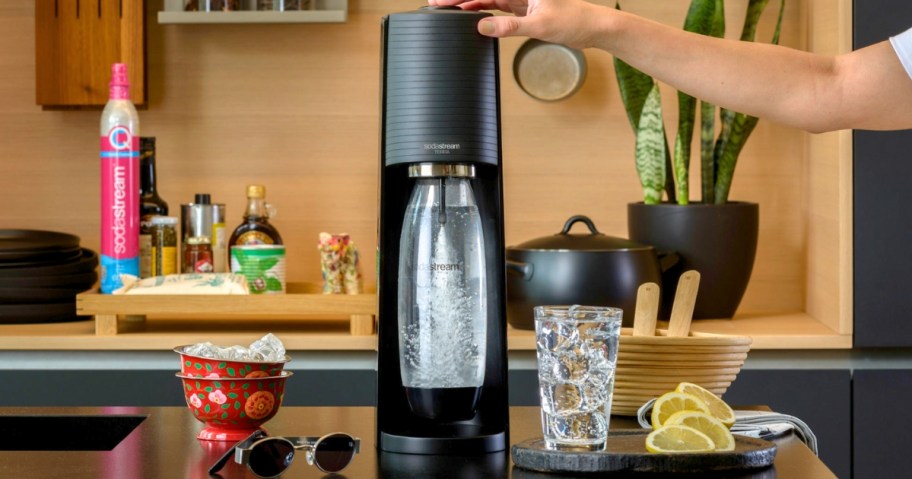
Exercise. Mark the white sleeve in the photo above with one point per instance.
(902, 44)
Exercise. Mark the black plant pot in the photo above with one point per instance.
(719, 241)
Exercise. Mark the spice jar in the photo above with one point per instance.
(198, 255)
(164, 245)
(212, 5)
(283, 5)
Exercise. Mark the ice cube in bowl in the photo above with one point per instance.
(211, 361)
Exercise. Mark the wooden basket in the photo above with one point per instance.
(301, 301)
(649, 366)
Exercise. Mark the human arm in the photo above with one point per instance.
(864, 89)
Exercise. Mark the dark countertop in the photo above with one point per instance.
(164, 445)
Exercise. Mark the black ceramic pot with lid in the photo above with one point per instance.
(591, 269)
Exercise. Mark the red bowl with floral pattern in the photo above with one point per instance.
(201, 367)
(232, 408)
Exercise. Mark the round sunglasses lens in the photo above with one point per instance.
(271, 457)
(334, 452)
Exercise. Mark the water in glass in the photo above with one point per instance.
(577, 354)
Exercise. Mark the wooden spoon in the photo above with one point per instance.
(683, 307)
(647, 310)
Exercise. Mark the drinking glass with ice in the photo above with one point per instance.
(577, 353)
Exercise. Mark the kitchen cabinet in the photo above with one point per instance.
(304, 97)
(78, 388)
(820, 398)
(152, 387)
(75, 44)
(882, 225)
(881, 422)
(882, 233)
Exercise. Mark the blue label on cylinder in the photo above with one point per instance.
(112, 268)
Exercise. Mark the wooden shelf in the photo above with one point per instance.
(781, 331)
(165, 334)
(324, 11)
(786, 331)
(119, 314)
(803, 182)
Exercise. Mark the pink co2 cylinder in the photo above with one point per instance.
(119, 183)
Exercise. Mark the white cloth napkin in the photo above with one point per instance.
(759, 424)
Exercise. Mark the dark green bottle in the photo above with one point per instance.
(150, 204)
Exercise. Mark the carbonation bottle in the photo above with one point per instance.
(442, 298)
(119, 183)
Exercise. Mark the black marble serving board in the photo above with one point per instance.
(626, 452)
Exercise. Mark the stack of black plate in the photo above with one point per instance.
(40, 274)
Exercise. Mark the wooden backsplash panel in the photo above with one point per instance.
(295, 107)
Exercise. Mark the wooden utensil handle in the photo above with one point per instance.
(684, 302)
(647, 310)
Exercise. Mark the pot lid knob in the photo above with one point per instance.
(591, 241)
(577, 219)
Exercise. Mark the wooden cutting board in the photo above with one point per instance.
(626, 452)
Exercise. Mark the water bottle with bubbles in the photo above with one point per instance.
(442, 299)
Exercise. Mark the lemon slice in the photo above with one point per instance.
(706, 424)
(670, 403)
(717, 407)
(678, 439)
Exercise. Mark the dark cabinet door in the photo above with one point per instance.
(156, 388)
(820, 398)
(883, 218)
(882, 439)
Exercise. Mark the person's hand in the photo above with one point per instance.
(568, 22)
(516, 7)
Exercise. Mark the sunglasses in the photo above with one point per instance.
(269, 457)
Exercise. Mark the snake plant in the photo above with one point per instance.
(718, 153)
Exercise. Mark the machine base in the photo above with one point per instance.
(444, 404)
(480, 444)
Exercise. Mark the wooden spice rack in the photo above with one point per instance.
(320, 11)
(301, 301)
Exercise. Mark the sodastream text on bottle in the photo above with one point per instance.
(119, 183)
